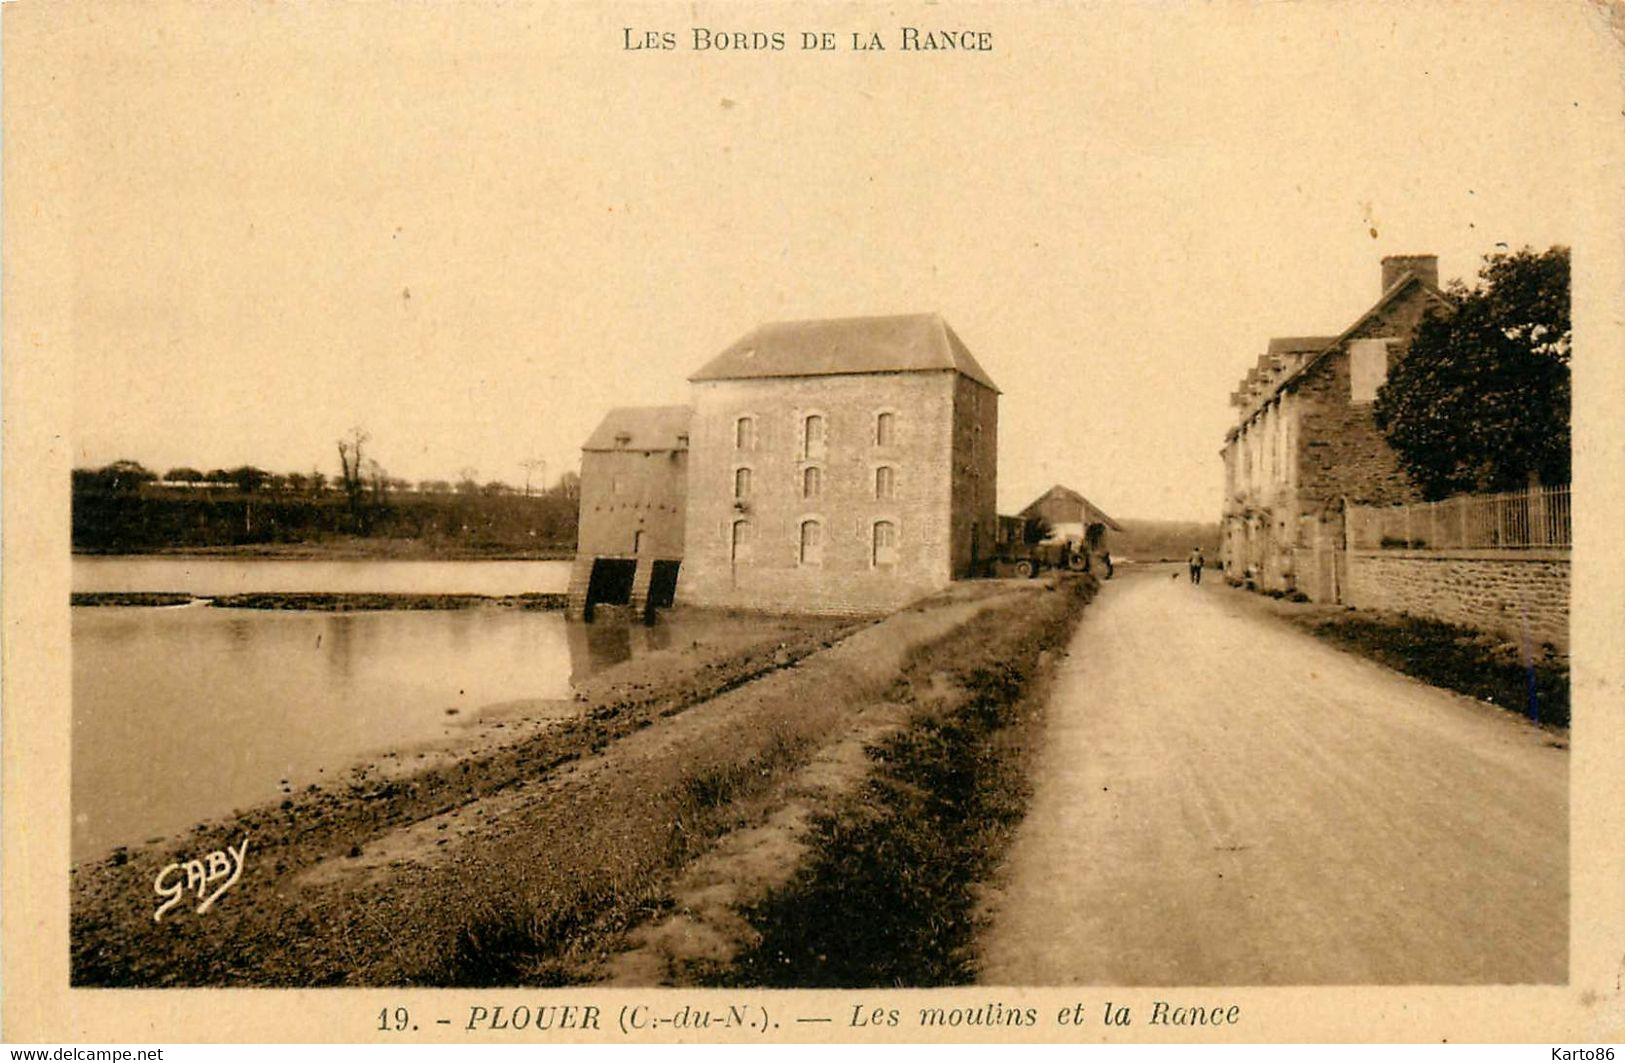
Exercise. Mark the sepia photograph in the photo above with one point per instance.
(540, 521)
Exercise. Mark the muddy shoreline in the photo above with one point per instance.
(531, 854)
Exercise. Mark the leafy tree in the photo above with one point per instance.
(121, 476)
(1481, 400)
(183, 474)
(248, 478)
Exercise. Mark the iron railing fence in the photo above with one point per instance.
(1537, 517)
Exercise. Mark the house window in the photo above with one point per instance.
(1368, 368)
(885, 539)
(745, 433)
(812, 436)
(885, 428)
(812, 542)
(885, 482)
(741, 484)
(740, 540)
(812, 481)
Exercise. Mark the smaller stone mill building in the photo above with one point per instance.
(633, 501)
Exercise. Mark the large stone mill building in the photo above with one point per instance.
(837, 466)
(1305, 444)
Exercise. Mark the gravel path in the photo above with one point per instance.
(1223, 800)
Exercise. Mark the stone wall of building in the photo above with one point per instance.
(1341, 451)
(767, 570)
(1277, 510)
(975, 475)
(1514, 594)
(625, 492)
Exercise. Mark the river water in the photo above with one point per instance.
(187, 713)
(217, 576)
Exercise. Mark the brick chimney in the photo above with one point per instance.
(1426, 268)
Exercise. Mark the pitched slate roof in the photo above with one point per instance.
(904, 343)
(642, 428)
(1300, 344)
(1066, 494)
(1309, 356)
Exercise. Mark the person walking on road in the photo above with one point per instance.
(1196, 563)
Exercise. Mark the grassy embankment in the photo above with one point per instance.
(889, 897)
(235, 523)
(1533, 683)
(528, 865)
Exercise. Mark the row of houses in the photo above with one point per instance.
(834, 466)
(1305, 446)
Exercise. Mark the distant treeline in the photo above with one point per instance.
(122, 508)
(1155, 540)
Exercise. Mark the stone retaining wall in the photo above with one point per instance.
(1515, 594)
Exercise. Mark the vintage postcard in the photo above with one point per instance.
(541, 522)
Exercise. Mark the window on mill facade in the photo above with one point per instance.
(812, 542)
(885, 428)
(885, 543)
(741, 484)
(745, 433)
(885, 483)
(812, 482)
(812, 436)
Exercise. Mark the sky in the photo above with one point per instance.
(473, 228)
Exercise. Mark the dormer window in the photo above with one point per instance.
(623, 440)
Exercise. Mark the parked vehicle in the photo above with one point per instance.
(1023, 560)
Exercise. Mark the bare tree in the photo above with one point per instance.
(536, 467)
(350, 459)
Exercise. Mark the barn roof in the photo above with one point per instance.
(903, 343)
(1066, 494)
(641, 428)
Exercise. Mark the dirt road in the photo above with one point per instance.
(1222, 800)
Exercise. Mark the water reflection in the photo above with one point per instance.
(219, 575)
(184, 714)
